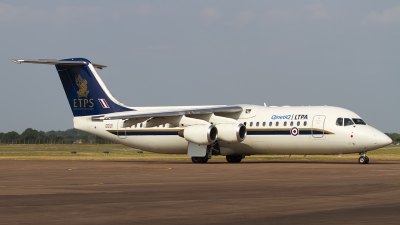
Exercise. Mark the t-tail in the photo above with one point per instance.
(86, 93)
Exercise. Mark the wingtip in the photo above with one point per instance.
(98, 66)
(15, 61)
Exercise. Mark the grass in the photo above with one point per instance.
(120, 152)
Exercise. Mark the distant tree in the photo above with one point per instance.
(30, 135)
(85, 139)
(59, 139)
(53, 138)
(396, 138)
(100, 140)
(11, 136)
(69, 137)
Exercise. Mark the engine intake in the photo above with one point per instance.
(201, 134)
(231, 133)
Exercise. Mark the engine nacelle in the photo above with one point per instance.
(201, 134)
(231, 133)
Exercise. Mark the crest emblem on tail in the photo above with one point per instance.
(82, 85)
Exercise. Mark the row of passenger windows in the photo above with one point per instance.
(348, 122)
(257, 124)
(339, 122)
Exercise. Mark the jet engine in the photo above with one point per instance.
(201, 134)
(231, 133)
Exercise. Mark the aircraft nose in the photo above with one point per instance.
(383, 140)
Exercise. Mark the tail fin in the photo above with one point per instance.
(86, 92)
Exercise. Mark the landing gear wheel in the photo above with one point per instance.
(363, 160)
(234, 158)
(200, 159)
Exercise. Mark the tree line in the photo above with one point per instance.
(32, 136)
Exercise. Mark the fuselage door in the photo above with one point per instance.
(121, 130)
(317, 130)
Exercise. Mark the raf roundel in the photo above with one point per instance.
(294, 131)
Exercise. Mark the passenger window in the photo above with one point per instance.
(339, 121)
(263, 124)
(305, 123)
(257, 124)
(291, 123)
(251, 124)
(163, 125)
(348, 122)
(285, 123)
(135, 125)
(277, 123)
(270, 124)
(298, 123)
(244, 123)
(141, 125)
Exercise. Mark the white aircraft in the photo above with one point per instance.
(234, 131)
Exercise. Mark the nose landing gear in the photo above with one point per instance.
(363, 159)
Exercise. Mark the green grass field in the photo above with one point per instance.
(120, 152)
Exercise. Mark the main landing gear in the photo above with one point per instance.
(363, 159)
(229, 158)
(234, 158)
(200, 159)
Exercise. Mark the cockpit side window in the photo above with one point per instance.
(339, 121)
(348, 122)
(359, 121)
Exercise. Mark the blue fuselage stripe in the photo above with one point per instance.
(284, 132)
(261, 132)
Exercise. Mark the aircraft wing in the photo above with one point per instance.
(172, 112)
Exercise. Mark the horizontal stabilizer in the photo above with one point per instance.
(56, 62)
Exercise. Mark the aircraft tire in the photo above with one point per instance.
(200, 159)
(363, 160)
(234, 158)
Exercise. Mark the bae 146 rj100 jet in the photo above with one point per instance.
(234, 131)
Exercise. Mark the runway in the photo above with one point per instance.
(180, 192)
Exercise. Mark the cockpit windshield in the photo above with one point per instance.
(359, 121)
(339, 121)
(348, 122)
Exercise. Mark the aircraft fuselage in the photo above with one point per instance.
(304, 130)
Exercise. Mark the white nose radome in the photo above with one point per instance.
(382, 140)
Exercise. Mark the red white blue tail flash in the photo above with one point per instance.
(104, 103)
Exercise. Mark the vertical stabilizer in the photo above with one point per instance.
(86, 93)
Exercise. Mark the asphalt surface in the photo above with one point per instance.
(167, 192)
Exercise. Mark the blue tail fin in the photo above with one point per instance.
(86, 92)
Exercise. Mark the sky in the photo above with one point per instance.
(161, 53)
